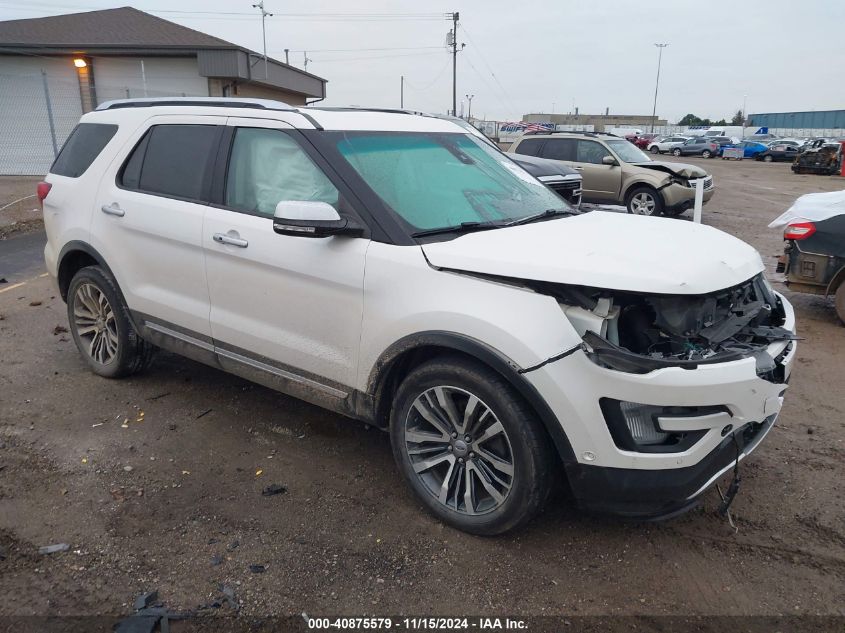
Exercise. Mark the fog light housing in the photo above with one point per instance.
(635, 426)
(641, 420)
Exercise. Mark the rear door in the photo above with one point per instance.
(289, 306)
(149, 216)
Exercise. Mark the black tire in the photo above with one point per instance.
(839, 302)
(654, 149)
(522, 440)
(127, 352)
(676, 152)
(635, 200)
(706, 154)
(767, 158)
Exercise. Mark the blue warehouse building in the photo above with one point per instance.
(824, 119)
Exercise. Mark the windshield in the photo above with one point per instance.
(628, 152)
(438, 180)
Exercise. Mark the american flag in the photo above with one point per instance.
(516, 126)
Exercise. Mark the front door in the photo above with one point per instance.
(280, 303)
(601, 182)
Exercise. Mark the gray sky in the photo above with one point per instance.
(523, 57)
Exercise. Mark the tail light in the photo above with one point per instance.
(42, 190)
(799, 231)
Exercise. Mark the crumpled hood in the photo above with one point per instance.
(681, 169)
(606, 250)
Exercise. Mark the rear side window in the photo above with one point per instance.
(81, 148)
(559, 149)
(530, 147)
(171, 161)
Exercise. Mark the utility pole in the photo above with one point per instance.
(657, 82)
(453, 40)
(306, 59)
(287, 52)
(469, 108)
(264, 14)
(402, 91)
(744, 113)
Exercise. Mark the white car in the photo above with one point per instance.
(667, 144)
(398, 270)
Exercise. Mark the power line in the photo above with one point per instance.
(358, 50)
(489, 68)
(353, 59)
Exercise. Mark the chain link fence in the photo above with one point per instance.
(38, 111)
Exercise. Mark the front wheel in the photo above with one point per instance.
(706, 154)
(101, 328)
(767, 159)
(676, 152)
(644, 201)
(469, 447)
(654, 149)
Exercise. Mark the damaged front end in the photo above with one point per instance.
(639, 333)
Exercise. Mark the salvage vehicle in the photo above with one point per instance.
(814, 255)
(666, 144)
(750, 149)
(698, 146)
(778, 153)
(616, 172)
(565, 182)
(819, 157)
(505, 343)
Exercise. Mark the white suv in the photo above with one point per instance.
(398, 270)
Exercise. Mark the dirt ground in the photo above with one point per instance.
(19, 210)
(171, 500)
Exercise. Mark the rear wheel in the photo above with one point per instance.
(654, 149)
(706, 154)
(767, 159)
(839, 299)
(101, 328)
(469, 447)
(676, 152)
(644, 201)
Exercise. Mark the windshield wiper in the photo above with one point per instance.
(540, 216)
(463, 227)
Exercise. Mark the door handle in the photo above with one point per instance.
(578, 167)
(222, 238)
(113, 209)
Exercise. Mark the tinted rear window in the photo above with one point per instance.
(171, 160)
(529, 147)
(559, 149)
(81, 148)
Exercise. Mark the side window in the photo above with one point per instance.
(171, 161)
(81, 148)
(559, 149)
(591, 152)
(268, 166)
(530, 147)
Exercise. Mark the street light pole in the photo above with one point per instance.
(264, 14)
(469, 109)
(657, 82)
(744, 113)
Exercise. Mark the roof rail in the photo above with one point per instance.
(215, 102)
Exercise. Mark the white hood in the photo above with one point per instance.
(814, 207)
(606, 250)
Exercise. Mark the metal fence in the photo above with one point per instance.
(39, 111)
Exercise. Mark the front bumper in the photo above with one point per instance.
(679, 198)
(606, 477)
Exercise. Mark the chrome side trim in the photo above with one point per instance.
(270, 369)
(245, 360)
(178, 335)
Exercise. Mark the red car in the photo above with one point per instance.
(642, 141)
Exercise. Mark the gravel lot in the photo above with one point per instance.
(171, 500)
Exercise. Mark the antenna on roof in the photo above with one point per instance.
(264, 14)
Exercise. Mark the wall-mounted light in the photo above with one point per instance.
(80, 63)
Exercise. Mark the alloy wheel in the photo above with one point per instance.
(459, 450)
(643, 204)
(93, 319)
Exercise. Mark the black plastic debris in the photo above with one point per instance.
(257, 569)
(53, 549)
(233, 545)
(216, 560)
(145, 600)
(274, 489)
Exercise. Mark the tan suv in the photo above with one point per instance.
(615, 171)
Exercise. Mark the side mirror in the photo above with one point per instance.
(609, 160)
(304, 218)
